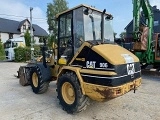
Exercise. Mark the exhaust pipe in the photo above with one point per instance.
(102, 25)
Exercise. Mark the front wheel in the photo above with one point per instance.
(70, 95)
(37, 83)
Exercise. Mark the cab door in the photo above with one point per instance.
(65, 36)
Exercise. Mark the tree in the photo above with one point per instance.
(51, 40)
(53, 9)
(115, 35)
(27, 38)
(122, 35)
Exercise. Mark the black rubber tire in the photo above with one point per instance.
(22, 78)
(144, 66)
(81, 101)
(42, 85)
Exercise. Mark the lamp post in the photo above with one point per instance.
(31, 31)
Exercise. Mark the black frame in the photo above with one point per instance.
(70, 12)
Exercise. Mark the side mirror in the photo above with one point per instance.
(109, 17)
(87, 11)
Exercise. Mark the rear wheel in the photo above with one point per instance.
(70, 95)
(38, 85)
(22, 78)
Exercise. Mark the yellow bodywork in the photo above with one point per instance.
(97, 72)
(102, 93)
(62, 61)
(111, 53)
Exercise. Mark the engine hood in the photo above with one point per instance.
(115, 54)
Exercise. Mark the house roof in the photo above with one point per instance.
(131, 23)
(12, 26)
(21, 23)
(38, 31)
(154, 8)
(9, 26)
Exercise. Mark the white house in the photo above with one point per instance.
(13, 29)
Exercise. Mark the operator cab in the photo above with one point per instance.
(10, 44)
(82, 23)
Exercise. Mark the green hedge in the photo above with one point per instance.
(23, 54)
(2, 52)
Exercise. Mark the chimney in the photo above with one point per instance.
(155, 8)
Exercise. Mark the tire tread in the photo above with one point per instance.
(82, 102)
(42, 85)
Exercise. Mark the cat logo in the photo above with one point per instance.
(130, 69)
(90, 64)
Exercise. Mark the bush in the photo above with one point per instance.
(27, 37)
(23, 54)
(2, 52)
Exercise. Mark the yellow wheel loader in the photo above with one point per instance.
(87, 64)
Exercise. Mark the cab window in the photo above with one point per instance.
(65, 36)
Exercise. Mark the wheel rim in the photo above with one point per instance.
(35, 79)
(68, 93)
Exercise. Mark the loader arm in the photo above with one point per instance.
(143, 36)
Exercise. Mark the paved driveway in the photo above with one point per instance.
(20, 103)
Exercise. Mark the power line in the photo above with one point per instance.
(22, 16)
(12, 18)
(20, 19)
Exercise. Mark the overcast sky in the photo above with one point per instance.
(120, 9)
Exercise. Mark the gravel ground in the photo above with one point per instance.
(20, 103)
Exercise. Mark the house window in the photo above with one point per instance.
(24, 27)
(41, 40)
(10, 35)
(29, 27)
(156, 23)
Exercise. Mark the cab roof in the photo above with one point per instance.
(81, 5)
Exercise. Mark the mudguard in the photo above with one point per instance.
(45, 71)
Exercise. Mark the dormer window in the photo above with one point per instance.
(24, 27)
